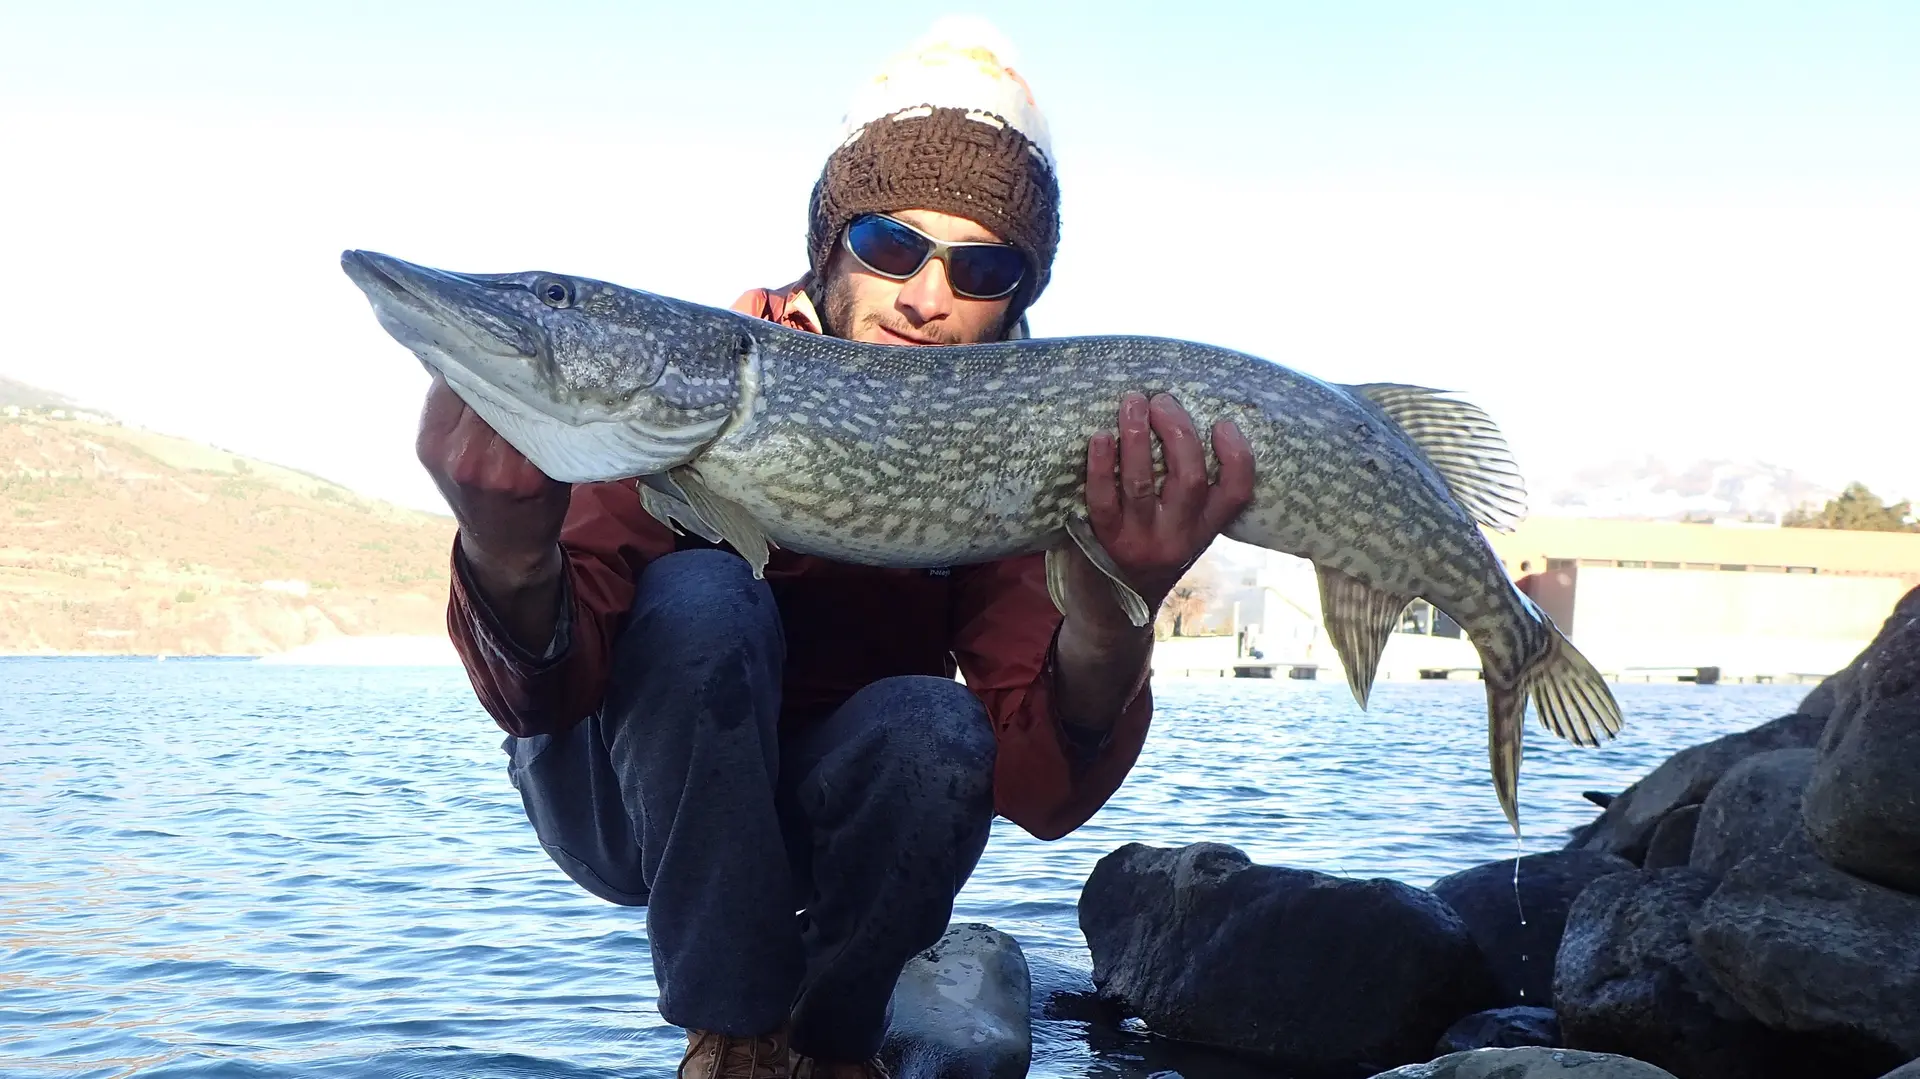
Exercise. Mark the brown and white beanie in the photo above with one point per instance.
(949, 125)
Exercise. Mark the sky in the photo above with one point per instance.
(1687, 230)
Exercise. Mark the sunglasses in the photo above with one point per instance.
(897, 250)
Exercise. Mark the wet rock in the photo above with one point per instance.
(1627, 980)
(1862, 802)
(1521, 956)
(1672, 842)
(960, 1010)
(1063, 992)
(1529, 1063)
(1754, 807)
(1627, 825)
(1315, 973)
(1501, 1028)
(1806, 947)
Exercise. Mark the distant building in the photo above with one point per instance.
(1644, 598)
(1277, 616)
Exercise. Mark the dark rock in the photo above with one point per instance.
(960, 1010)
(1910, 1070)
(1063, 992)
(1672, 842)
(1837, 692)
(1806, 947)
(1521, 956)
(1501, 1028)
(1599, 798)
(1820, 700)
(1529, 1063)
(1753, 808)
(1627, 825)
(1627, 981)
(1316, 973)
(1862, 802)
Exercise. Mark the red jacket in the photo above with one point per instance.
(846, 626)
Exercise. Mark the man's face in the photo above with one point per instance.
(922, 310)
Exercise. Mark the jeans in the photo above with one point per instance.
(786, 875)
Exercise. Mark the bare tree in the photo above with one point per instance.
(1192, 601)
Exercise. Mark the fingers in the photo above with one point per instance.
(1138, 504)
(1184, 491)
(1103, 491)
(440, 415)
(1234, 489)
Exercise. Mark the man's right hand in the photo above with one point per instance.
(509, 513)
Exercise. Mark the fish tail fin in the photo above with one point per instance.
(1506, 715)
(1570, 698)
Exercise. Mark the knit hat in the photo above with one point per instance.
(947, 125)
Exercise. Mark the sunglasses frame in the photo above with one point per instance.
(938, 249)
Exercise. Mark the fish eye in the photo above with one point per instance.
(554, 292)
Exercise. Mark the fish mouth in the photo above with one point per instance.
(458, 328)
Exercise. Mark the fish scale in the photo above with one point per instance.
(752, 433)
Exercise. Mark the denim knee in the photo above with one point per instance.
(927, 731)
(696, 611)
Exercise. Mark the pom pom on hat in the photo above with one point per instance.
(963, 62)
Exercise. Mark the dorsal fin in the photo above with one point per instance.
(1463, 444)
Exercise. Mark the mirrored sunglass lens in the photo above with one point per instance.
(987, 271)
(886, 246)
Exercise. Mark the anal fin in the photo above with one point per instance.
(729, 520)
(1089, 544)
(1359, 618)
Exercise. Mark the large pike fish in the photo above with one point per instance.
(751, 433)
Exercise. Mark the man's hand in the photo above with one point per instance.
(509, 513)
(1154, 537)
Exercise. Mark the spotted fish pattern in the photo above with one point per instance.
(929, 457)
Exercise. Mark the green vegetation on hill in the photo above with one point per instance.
(1857, 509)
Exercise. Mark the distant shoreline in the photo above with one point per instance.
(372, 651)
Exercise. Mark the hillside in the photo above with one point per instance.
(118, 540)
(1648, 488)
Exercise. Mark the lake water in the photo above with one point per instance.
(230, 869)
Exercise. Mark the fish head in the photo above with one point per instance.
(588, 380)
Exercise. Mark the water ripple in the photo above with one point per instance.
(216, 869)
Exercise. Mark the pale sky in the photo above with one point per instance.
(1685, 229)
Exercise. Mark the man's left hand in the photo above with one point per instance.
(1154, 537)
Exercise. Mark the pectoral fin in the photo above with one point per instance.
(664, 499)
(1057, 577)
(1359, 617)
(730, 522)
(1129, 600)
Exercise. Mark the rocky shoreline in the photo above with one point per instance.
(1748, 910)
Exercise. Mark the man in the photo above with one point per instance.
(727, 751)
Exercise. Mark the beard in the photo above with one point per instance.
(840, 318)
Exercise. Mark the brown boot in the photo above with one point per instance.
(809, 1068)
(718, 1056)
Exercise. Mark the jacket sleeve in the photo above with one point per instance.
(1004, 627)
(606, 541)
